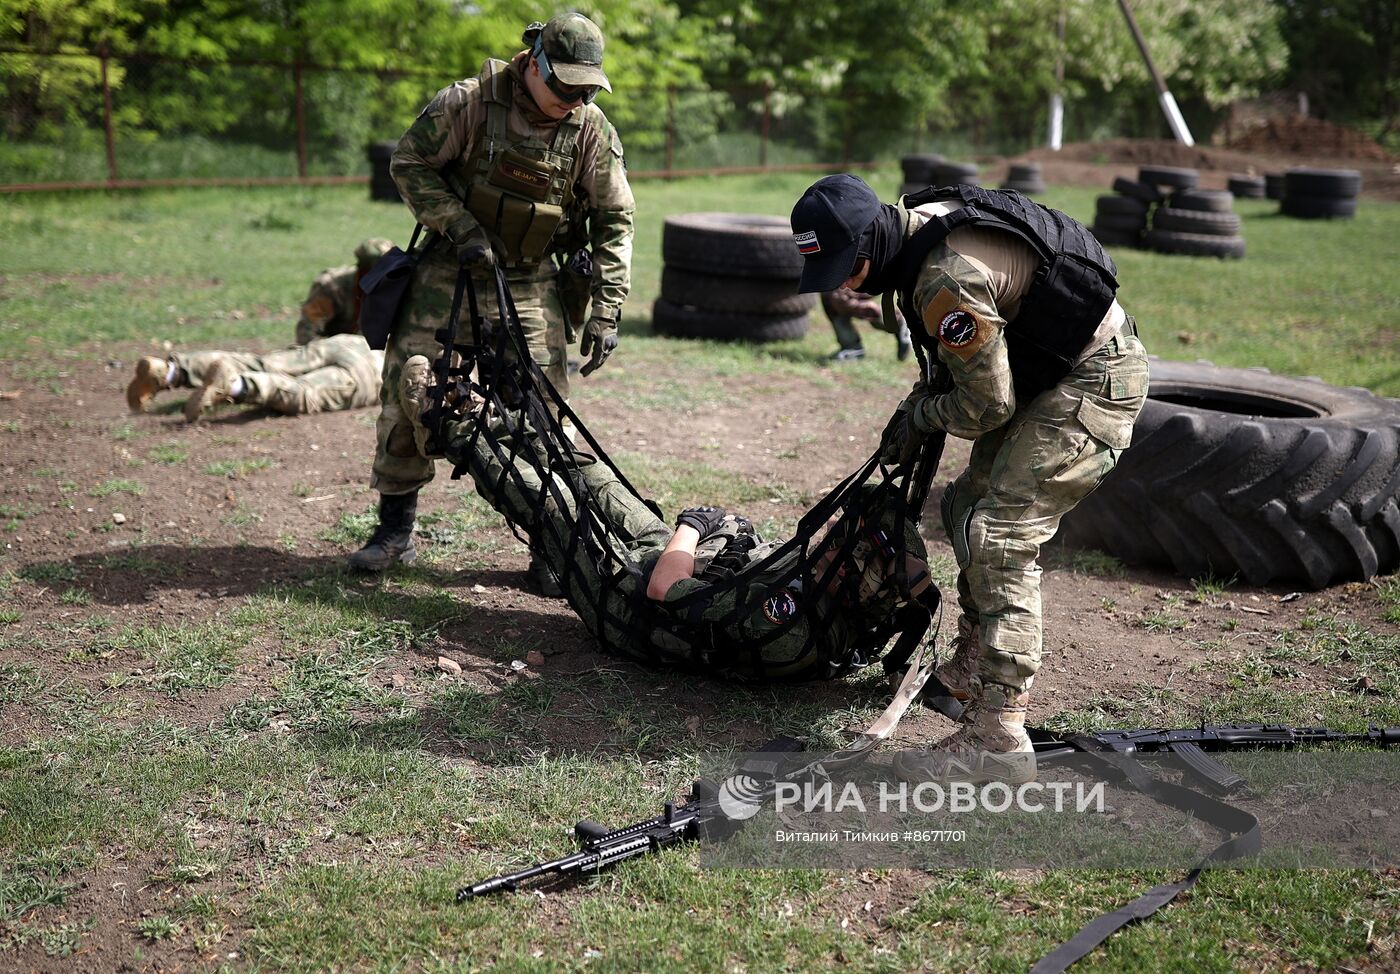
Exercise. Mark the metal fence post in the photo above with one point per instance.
(301, 119)
(670, 129)
(107, 119)
(767, 123)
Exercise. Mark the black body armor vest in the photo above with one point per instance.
(1072, 290)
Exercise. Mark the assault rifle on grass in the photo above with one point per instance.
(1192, 744)
(709, 812)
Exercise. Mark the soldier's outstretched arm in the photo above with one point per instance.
(443, 131)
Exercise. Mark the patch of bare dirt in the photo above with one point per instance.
(194, 543)
(1304, 135)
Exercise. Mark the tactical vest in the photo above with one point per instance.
(1072, 289)
(521, 188)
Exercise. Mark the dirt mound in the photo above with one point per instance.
(1302, 135)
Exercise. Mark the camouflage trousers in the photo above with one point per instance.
(322, 376)
(1021, 479)
(399, 468)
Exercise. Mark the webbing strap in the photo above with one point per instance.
(1245, 839)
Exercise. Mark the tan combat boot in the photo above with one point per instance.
(217, 388)
(958, 670)
(151, 371)
(992, 744)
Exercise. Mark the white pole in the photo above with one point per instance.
(1057, 121)
(1174, 119)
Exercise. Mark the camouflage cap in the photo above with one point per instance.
(574, 45)
(371, 250)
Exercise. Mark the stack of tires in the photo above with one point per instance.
(730, 276)
(1120, 219)
(1273, 185)
(1246, 187)
(1024, 178)
(1196, 222)
(918, 171)
(922, 171)
(1313, 194)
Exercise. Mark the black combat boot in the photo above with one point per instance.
(542, 577)
(392, 541)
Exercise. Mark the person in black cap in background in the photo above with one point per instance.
(1016, 303)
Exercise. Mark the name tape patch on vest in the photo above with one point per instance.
(781, 608)
(807, 243)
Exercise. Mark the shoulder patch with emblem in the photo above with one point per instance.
(957, 327)
(780, 608)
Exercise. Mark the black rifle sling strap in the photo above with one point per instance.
(1244, 840)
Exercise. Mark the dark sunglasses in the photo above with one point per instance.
(568, 94)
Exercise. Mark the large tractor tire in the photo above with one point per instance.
(1239, 472)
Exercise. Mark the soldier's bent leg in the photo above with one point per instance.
(325, 390)
(1057, 449)
(399, 467)
(194, 366)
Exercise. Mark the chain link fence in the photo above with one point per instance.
(89, 119)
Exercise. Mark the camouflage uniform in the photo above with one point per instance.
(326, 375)
(438, 164)
(1031, 462)
(332, 306)
(1048, 392)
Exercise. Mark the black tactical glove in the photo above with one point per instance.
(705, 520)
(906, 432)
(475, 250)
(599, 341)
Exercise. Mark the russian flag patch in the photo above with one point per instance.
(807, 243)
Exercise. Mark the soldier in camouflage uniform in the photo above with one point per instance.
(332, 306)
(1047, 377)
(515, 167)
(322, 376)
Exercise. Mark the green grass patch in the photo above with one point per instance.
(235, 469)
(117, 486)
(169, 453)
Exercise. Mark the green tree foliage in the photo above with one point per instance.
(848, 77)
(1346, 55)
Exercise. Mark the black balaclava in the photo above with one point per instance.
(880, 244)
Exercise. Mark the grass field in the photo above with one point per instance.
(248, 782)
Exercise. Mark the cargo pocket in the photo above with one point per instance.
(1111, 427)
(1106, 434)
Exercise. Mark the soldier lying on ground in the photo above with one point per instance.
(649, 602)
(325, 375)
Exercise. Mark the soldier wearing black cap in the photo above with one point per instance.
(1016, 302)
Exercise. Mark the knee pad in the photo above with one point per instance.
(957, 524)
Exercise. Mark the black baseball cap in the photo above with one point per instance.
(826, 226)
